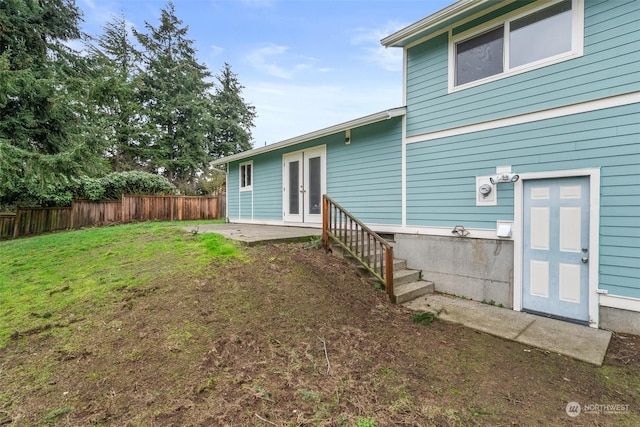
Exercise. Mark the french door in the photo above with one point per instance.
(304, 184)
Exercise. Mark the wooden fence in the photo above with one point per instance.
(7, 223)
(33, 221)
(171, 208)
(85, 213)
(132, 208)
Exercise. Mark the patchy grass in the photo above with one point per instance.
(56, 279)
(180, 328)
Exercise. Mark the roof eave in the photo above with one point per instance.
(399, 38)
(352, 124)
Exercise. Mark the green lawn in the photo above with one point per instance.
(57, 278)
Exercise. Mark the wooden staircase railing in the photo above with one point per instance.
(371, 250)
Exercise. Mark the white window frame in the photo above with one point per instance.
(577, 43)
(241, 168)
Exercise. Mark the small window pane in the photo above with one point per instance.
(294, 184)
(542, 34)
(249, 175)
(315, 186)
(245, 175)
(480, 57)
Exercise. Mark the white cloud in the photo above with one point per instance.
(369, 40)
(271, 60)
(215, 50)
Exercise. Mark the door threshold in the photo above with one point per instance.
(555, 317)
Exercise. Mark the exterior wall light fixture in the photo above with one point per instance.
(504, 177)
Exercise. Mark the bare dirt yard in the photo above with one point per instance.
(294, 337)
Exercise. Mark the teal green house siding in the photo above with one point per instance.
(246, 205)
(267, 187)
(608, 67)
(366, 176)
(441, 179)
(233, 184)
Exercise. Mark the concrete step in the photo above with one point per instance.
(401, 277)
(407, 285)
(401, 274)
(409, 291)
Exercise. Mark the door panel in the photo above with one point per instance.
(314, 185)
(304, 185)
(556, 246)
(293, 187)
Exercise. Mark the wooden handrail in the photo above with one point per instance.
(364, 244)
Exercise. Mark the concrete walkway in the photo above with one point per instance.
(580, 342)
(253, 234)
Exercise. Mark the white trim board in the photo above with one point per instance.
(274, 222)
(568, 110)
(577, 43)
(403, 178)
(474, 233)
(623, 303)
(594, 235)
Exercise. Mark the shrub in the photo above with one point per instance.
(115, 184)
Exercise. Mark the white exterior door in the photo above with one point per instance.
(293, 187)
(556, 248)
(304, 183)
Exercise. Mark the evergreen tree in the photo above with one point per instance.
(43, 131)
(234, 118)
(115, 61)
(175, 97)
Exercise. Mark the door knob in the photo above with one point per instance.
(585, 259)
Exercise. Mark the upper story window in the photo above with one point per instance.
(518, 43)
(246, 176)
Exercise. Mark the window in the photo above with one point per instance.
(519, 43)
(480, 57)
(246, 176)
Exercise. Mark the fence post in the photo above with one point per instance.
(122, 209)
(71, 217)
(15, 223)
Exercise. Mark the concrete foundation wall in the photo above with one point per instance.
(621, 321)
(479, 269)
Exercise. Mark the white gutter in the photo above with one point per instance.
(398, 38)
(362, 121)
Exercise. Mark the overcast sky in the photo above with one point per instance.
(305, 64)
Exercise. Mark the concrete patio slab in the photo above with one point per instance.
(580, 342)
(482, 317)
(252, 234)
